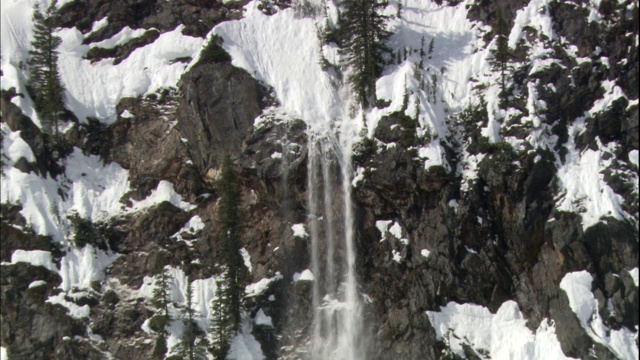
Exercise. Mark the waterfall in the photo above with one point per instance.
(337, 310)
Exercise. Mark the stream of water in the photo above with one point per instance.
(337, 308)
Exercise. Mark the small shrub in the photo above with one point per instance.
(500, 155)
(364, 150)
(86, 233)
(213, 51)
(306, 9)
(158, 322)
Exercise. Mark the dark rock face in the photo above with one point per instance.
(46, 152)
(119, 323)
(151, 148)
(14, 239)
(198, 17)
(14, 235)
(217, 111)
(29, 132)
(121, 52)
(31, 328)
(145, 244)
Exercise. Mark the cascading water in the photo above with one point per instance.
(337, 308)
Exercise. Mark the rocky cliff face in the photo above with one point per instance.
(503, 234)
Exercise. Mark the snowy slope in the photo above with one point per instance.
(93, 89)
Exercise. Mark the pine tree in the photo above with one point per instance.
(365, 34)
(500, 56)
(44, 78)
(161, 293)
(159, 321)
(431, 43)
(190, 327)
(229, 238)
(190, 347)
(228, 305)
(221, 323)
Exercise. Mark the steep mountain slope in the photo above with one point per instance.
(485, 222)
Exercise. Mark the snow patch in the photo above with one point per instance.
(246, 257)
(17, 148)
(261, 286)
(396, 230)
(192, 227)
(577, 286)
(276, 155)
(433, 155)
(469, 169)
(262, 319)
(634, 275)
(395, 256)
(306, 275)
(244, 346)
(504, 335)
(357, 179)
(584, 189)
(382, 226)
(126, 114)
(425, 253)
(75, 311)
(80, 267)
(120, 38)
(96, 188)
(99, 25)
(37, 283)
(633, 157)
(535, 14)
(34, 257)
(299, 231)
(164, 192)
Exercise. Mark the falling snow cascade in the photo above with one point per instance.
(337, 316)
(253, 44)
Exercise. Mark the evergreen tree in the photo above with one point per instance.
(190, 347)
(500, 56)
(44, 78)
(431, 43)
(222, 322)
(188, 312)
(365, 33)
(227, 307)
(229, 238)
(161, 293)
(159, 321)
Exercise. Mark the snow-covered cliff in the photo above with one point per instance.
(467, 223)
